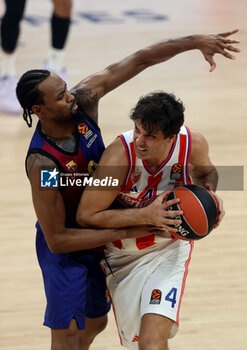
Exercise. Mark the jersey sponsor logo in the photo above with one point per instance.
(134, 202)
(155, 296)
(71, 166)
(176, 171)
(49, 178)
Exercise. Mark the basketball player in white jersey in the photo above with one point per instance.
(146, 276)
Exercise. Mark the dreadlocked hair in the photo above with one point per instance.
(28, 93)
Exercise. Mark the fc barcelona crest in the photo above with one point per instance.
(71, 166)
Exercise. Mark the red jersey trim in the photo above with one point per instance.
(184, 279)
(187, 176)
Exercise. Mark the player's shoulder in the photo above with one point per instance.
(36, 161)
(197, 137)
(199, 144)
(115, 154)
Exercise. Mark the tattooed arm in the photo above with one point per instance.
(90, 90)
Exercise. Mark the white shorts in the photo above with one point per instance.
(149, 281)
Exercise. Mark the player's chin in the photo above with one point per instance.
(141, 154)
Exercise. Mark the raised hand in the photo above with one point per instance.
(209, 45)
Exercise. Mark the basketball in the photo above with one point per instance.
(199, 208)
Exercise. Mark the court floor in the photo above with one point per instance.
(214, 309)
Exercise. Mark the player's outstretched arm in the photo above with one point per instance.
(50, 211)
(90, 90)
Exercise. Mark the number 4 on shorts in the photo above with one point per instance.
(171, 296)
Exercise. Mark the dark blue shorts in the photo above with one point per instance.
(74, 285)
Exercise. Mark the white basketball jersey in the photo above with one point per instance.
(142, 185)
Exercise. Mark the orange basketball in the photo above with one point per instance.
(199, 208)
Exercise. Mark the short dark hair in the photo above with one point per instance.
(159, 111)
(28, 93)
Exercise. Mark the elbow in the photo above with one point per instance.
(144, 58)
(55, 249)
(85, 216)
(81, 219)
(56, 246)
(58, 242)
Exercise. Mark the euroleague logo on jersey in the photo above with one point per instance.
(155, 296)
(82, 128)
(176, 171)
(85, 131)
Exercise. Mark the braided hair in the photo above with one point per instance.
(28, 92)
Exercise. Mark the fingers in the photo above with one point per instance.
(228, 55)
(226, 34)
(225, 44)
(221, 45)
(229, 47)
(169, 228)
(219, 219)
(228, 41)
(174, 221)
(162, 197)
(221, 211)
(173, 214)
(222, 51)
(211, 61)
(170, 203)
(225, 47)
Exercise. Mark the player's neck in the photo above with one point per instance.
(61, 130)
(160, 153)
(155, 162)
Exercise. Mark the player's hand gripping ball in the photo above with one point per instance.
(199, 208)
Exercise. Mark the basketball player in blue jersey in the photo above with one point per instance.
(67, 139)
(146, 276)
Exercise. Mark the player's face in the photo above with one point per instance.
(59, 105)
(150, 145)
